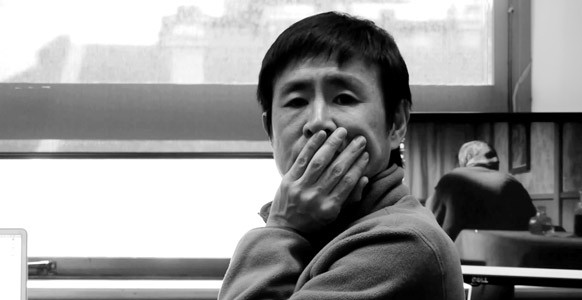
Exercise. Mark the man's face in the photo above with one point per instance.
(317, 94)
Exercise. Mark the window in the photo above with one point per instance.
(193, 42)
(138, 118)
(456, 50)
(132, 207)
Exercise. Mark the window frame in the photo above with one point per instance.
(82, 127)
(141, 111)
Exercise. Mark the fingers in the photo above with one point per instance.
(338, 168)
(320, 180)
(352, 183)
(304, 157)
(356, 194)
(322, 157)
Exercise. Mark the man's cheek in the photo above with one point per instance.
(284, 158)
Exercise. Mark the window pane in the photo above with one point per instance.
(135, 207)
(179, 41)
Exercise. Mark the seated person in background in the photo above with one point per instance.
(335, 98)
(477, 196)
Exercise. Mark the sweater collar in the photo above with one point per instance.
(383, 190)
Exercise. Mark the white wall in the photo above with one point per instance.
(556, 55)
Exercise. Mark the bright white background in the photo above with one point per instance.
(556, 56)
(135, 207)
(69, 41)
(26, 25)
(10, 267)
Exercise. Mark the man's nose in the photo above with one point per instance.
(320, 118)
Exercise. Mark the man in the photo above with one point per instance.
(335, 96)
(477, 196)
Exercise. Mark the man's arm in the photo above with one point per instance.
(383, 262)
(266, 265)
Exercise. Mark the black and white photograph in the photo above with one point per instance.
(290, 149)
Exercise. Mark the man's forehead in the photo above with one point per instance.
(354, 71)
(331, 60)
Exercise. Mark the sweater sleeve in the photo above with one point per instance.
(385, 264)
(266, 265)
(382, 263)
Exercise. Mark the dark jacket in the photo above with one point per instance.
(480, 198)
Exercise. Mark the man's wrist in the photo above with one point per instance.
(273, 222)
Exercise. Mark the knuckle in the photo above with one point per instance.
(285, 184)
(312, 145)
(303, 200)
(293, 191)
(317, 163)
(335, 141)
(337, 171)
(330, 209)
(348, 180)
(301, 161)
(319, 190)
(306, 196)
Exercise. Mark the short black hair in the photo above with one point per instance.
(342, 37)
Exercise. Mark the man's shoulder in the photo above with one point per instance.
(409, 226)
(479, 175)
(476, 170)
(405, 216)
(403, 239)
(410, 231)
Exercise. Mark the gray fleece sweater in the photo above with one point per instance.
(388, 247)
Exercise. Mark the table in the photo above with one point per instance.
(561, 250)
(531, 257)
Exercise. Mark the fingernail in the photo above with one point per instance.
(342, 132)
(361, 141)
(365, 156)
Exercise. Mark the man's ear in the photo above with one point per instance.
(266, 125)
(398, 130)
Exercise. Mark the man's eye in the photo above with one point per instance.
(344, 99)
(296, 102)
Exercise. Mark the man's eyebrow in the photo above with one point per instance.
(345, 81)
(338, 80)
(296, 85)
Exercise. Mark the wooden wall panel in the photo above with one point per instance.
(485, 132)
(450, 137)
(572, 157)
(416, 159)
(568, 206)
(431, 151)
(540, 178)
(501, 144)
